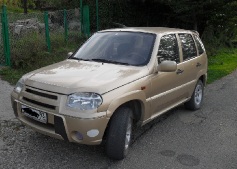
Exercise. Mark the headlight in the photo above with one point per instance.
(19, 86)
(84, 101)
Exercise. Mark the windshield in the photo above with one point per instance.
(128, 48)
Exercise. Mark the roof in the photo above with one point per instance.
(156, 30)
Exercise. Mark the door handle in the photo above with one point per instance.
(179, 71)
(198, 64)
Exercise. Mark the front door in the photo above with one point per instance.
(167, 86)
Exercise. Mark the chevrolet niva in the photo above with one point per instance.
(119, 78)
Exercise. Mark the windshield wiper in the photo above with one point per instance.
(80, 59)
(109, 61)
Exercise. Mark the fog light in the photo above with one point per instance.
(93, 133)
(78, 135)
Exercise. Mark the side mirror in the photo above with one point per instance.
(167, 66)
(69, 54)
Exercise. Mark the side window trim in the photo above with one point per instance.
(180, 48)
(197, 50)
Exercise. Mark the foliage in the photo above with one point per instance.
(16, 5)
(221, 64)
(217, 16)
(215, 20)
(22, 58)
(26, 60)
(221, 29)
(14, 9)
(11, 2)
(11, 75)
(63, 4)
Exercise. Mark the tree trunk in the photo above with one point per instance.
(195, 23)
(25, 6)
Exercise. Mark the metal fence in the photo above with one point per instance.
(2, 56)
(5, 37)
(23, 31)
(44, 30)
(20, 33)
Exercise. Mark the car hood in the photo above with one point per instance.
(71, 76)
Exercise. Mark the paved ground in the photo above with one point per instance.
(205, 139)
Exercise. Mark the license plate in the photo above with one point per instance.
(34, 114)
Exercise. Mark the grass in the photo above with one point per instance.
(11, 75)
(221, 64)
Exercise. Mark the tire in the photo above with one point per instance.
(196, 100)
(119, 134)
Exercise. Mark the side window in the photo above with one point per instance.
(168, 49)
(188, 46)
(200, 45)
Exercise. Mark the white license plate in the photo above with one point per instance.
(34, 114)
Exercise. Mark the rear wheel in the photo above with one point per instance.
(119, 134)
(197, 97)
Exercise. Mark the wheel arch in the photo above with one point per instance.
(203, 78)
(135, 100)
(137, 108)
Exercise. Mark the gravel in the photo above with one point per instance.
(5, 107)
(181, 139)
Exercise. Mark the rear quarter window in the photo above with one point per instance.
(200, 45)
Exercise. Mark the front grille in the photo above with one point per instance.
(32, 121)
(50, 96)
(40, 104)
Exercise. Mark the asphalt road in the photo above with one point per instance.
(205, 139)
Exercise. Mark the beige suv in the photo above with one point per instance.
(118, 79)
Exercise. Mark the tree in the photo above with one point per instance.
(25, 6)
(223, 22)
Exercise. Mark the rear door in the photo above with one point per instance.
(192, 60)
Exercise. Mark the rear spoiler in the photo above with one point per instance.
(119, 25)
(195, 32)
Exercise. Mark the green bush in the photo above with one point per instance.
(30, 52)
(234, 43)
(24, 51)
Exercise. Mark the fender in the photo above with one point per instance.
(133, 95)
(202, 73)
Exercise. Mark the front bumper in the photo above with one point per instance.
(73, 129)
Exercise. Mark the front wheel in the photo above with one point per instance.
(119, 134)
(197, 97)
